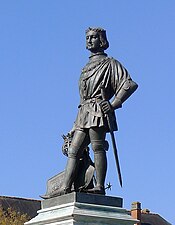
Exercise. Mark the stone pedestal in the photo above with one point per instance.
(82, 209)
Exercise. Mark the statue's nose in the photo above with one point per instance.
(89, 39)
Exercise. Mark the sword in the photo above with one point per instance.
(109, 121)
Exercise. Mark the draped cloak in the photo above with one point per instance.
(112, 75)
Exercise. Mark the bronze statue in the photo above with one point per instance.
(101, 79)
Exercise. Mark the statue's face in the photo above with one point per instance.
(93, 41)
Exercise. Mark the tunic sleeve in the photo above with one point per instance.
(119, 75)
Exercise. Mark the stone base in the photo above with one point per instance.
(82, 209)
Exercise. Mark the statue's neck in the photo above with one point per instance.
(97, 56)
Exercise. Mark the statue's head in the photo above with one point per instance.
(100, 39)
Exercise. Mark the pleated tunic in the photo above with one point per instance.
(107, 72)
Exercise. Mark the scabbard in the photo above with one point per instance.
(114, 149)
(109, 121)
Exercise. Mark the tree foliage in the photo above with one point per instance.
(12, 217)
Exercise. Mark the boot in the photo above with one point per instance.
(100, 161)
(70, 173)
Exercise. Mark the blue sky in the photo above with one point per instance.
(42, 51)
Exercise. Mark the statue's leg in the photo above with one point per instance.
(79, 141)
(97, 137)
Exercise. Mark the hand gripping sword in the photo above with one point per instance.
(109, 121)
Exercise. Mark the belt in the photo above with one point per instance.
(90, 100)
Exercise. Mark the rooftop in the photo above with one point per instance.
(22, 205)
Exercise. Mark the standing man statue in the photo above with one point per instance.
(91, 124)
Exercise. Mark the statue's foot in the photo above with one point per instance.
(45, 196)
(57, 192)
(97, 190)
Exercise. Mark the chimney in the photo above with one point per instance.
(136, 211)
(146, 211)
